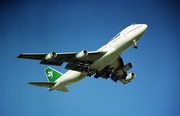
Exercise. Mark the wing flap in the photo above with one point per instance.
(77, 66)
(42, 84)
(57, 62)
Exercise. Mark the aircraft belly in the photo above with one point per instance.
(70, 78)
(122, 44)
(106, 59)
(74, 77)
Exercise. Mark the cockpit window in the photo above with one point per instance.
(133, 29)
(133, 24)
(115, 37)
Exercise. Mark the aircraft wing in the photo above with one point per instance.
(63, 57)
(115, 69)
(117, 64)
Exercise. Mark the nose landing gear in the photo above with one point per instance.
(135, 44)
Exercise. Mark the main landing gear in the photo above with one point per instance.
(89, 71)
(135, 44)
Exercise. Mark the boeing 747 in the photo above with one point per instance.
(106, 62)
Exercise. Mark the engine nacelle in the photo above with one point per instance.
(130, 76)
(81, 54)
(127, 67)
(50, 56)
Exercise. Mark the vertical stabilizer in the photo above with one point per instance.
(52, 74)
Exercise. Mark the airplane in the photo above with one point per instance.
(106, 62)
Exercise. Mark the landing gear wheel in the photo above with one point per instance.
(135, 46)
(115, 80)
(108, 74)
(96, 76)
(89, 74)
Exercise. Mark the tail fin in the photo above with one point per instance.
(52, 74)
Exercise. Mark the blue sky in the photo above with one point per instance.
(42, 26)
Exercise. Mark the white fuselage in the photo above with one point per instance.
(114, 48)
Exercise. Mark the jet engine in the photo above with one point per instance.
(127, 67)
(130, 76)
(81, 54)
(50, 56)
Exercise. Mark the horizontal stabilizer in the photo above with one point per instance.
(48, 85)
(42, 84)
(63, 89)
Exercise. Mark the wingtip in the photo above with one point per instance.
(29, 83)
(19, 56)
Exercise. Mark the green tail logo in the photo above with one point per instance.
(52, 74)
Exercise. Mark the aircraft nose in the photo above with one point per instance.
(140, 31)
(144, 27)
